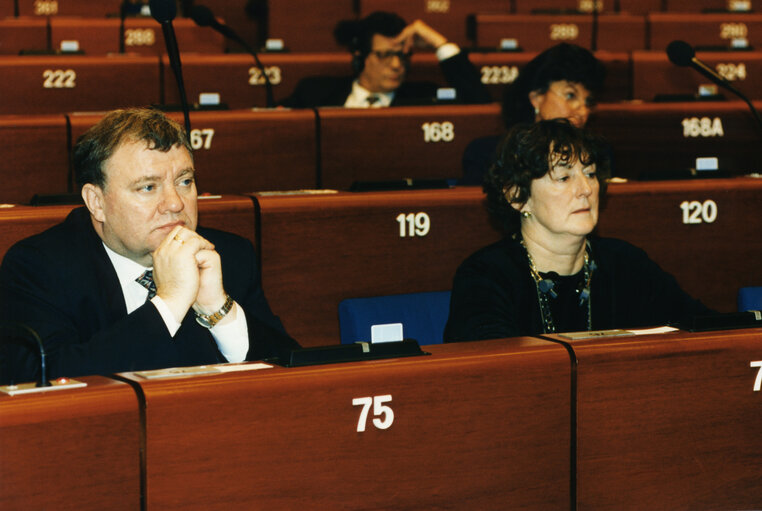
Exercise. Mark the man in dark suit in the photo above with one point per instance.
(129, 282)
(381, 47)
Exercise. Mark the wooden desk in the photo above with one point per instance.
(704, 29)
(498, 69)
(17, 34)
(59, 84)
(142, 36)
(475, 425)
(424, 142)
(240, 83)
(702, 5)
(312, 29)
(663, 138)
(34, 157)
(653, 73)
(629, 6)
(536, 32)
(669, 421)
(67, 8)
(318, 250)
(71, 449)
(710, 259)
(243, 151)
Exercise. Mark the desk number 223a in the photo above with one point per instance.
(384, 415)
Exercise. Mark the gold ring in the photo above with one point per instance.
(177, 238)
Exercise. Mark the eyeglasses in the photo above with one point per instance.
(386, 56)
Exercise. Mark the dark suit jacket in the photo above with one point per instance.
(62, 284)
(318, 91)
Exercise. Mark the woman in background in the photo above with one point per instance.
(560, 82)
(549, 274)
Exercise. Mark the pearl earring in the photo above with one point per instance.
(526, 214)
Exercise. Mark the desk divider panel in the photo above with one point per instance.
(240, 83)
(243, 151)
(317, 250)
(653, 73)
(708, 30)
(662, 140)
(34, 157)
(423, 142)
(482, 425)
(54, 8)
(17, 34)
(695, 6)
(60, 84)
(669, 421)
(142, 36)
(705, 232)
(71, 449)
(586, 6)
(311, 30)
(537, 32)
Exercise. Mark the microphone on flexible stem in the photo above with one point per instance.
(681, 53)
(204, 17)
(21, 332)
(164, 11)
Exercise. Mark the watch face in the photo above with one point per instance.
(203, 322)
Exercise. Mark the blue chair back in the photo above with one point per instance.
(423, 316)
(750, 299)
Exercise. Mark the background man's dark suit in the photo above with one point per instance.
(62, 284)
(318, 91)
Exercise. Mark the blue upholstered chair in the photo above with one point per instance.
(423, 316)
(750, 298)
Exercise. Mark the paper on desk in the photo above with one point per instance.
(649, 331)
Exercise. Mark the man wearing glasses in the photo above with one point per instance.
(381, 45)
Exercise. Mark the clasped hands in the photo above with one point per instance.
(188, 273)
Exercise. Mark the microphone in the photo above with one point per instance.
(23, 333)
(204, 17)
(681, 53)
(164, 11)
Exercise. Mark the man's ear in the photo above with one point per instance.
(92, 195)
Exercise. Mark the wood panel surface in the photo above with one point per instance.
(467, 433)
(312, 29)
(59, 84)
(71, 449)
(18, 34)
(318, 250)
(669, 422)
(142, 35)
(68, 8)
(708, 30)
(536, 32)
(241, 85)
(711, 260)
(245, 151)
(653, 74)
(660, 140)
(390, 143)
(34, 157)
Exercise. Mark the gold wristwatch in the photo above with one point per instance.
(208, 321)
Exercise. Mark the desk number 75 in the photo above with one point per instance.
(758, 381)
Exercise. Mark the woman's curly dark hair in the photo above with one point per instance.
(528, 152)
(560, 62)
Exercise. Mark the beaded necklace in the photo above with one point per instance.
(545, 291)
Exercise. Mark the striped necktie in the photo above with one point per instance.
(146, 280)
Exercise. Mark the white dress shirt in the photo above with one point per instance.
(232, 338)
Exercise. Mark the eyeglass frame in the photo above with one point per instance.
(386, 56)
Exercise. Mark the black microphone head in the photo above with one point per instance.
(163, 11)
(680, 53)
(202, 15)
